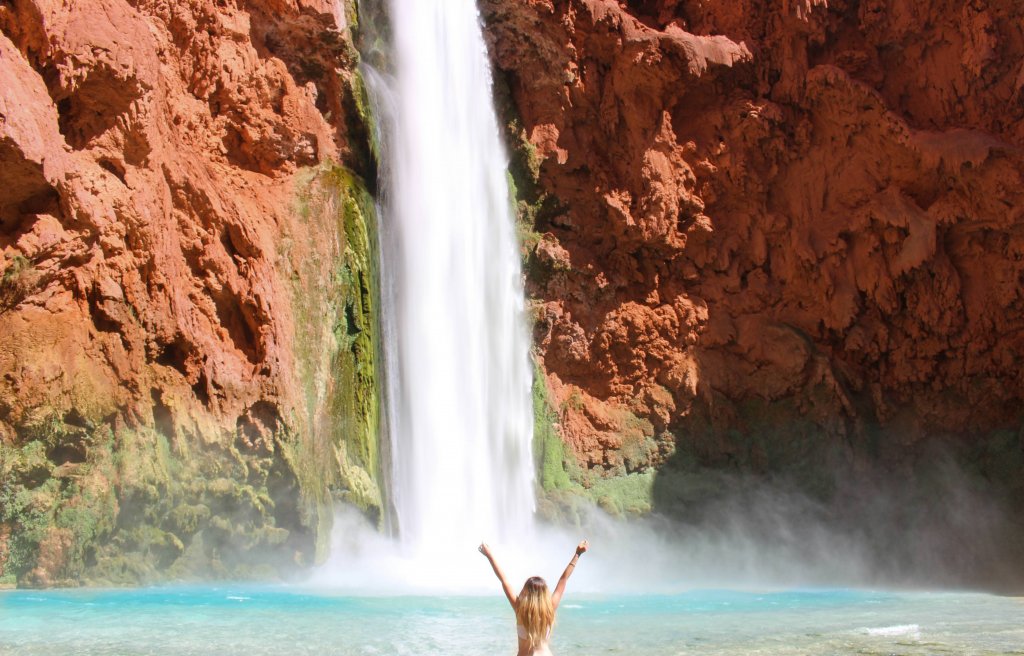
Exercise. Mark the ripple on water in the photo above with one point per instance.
(277, 620)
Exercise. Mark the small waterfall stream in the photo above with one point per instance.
(455, 334)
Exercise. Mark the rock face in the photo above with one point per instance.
(760, 237)
(184, 273)
(764, 231)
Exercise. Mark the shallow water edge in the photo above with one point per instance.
(255, 620)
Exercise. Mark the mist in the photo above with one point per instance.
(942, 530)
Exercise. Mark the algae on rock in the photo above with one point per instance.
(338, 358)
(115, 506)
(565, 487)
(532, 206)
(158, 440)
(87, 497)
(548, 449)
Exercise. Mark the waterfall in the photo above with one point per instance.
(455, 334)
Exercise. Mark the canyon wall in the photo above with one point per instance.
(777, 239)
(769, 237)
(187, 361)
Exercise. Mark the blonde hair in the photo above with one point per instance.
(534, 610)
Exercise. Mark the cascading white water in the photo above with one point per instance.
(458, 379)
(458, 373)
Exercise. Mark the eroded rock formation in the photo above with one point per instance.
(760, 237)
(184, 272)
(765, 231)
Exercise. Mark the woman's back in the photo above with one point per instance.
(535, 615)
(534, 606)
(541, 649)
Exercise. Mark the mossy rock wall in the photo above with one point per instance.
(189, 355)
(338, 358)
(132, 506)
(87, 497)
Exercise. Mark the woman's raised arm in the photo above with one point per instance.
(509, 593)
(556, 596)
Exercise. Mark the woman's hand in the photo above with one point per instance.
(581, 548)
(485, 550)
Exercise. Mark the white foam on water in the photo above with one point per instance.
(902, 630)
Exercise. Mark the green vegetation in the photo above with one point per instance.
(105, 507)
(564, 486)
(573, 402)
(531, 205)
(15, 266)
(621, 495)
(338, 359)
(87, 498)
(360, 128)
(15, 281)
(48, 495)
(356, 331)
(351, 8)
(553, 464)
(361, 99)
(638, 447)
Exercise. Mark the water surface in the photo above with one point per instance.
(283, 620)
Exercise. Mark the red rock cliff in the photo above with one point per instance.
(166, 239)
(754, 216)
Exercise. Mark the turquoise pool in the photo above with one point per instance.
(280, 620)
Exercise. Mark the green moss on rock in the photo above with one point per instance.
(17, 277)
(552, 462)
(338, 359)
(532, 207)
(131, 509)
(99, 502)
(565, 487)
(624, 495)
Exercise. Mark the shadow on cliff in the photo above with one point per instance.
(786, 497)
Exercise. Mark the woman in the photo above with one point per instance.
(535, 607)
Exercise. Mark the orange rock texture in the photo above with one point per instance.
(152, 157)
(800, 219)
(758, 235)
